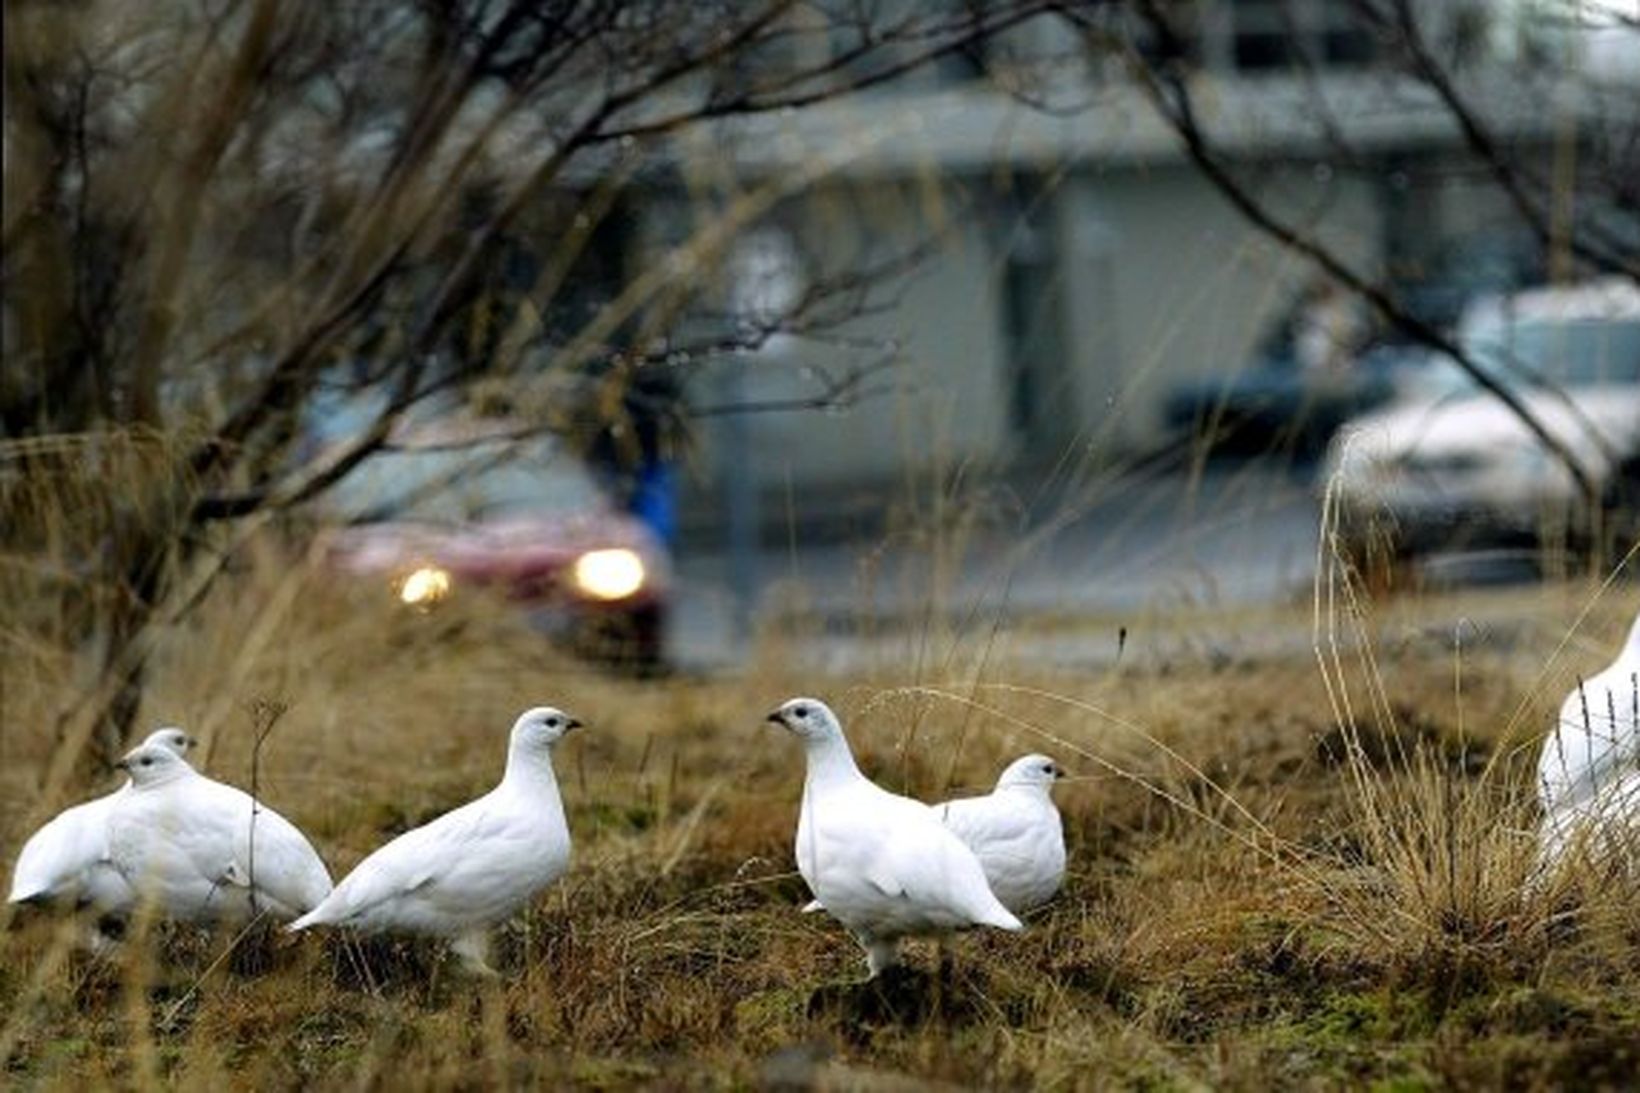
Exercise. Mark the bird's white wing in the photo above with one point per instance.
(56, 860)
(416, 860)
(1596, 739)
(246, 844)
(199, 831)
(1000, 829)
(929, 866)
(1609, 822)
(516, 862)
(173, 848)
(232, 839)
(1019, 841)
(284, 863)
(979, 820)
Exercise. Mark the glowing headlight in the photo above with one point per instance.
(609, 574)
(425, 586)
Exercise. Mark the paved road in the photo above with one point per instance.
(1234, 536)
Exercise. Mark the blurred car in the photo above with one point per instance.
(1277, 401)
(1437, 291)
(1448, 467)
(465, 504)
(1294, 394)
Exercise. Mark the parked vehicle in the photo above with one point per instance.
(1328, 359)
(1499, 263)
(1307, 377)
(464, 504)
(1449, 467)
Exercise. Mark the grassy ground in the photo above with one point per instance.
(1283, 873)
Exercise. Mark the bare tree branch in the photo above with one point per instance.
(1511, 178)
(1170, 94)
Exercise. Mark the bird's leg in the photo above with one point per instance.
(942, 982)
(473, 947)
(881, 955)
(99, 944)
(103, 935)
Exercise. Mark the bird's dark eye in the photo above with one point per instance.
(147, 761)
(552, 722)
(801, 711)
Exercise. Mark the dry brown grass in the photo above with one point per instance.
(1261, 893)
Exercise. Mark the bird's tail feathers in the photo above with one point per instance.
(999, 916)
(309, 919)
(1002, 918)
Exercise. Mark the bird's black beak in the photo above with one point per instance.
(775, 718)
(572, 723)
(123, 764)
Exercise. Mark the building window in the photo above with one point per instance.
(1277, 35)
(1181, 47)
(1033, 316)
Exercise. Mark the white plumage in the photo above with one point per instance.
(67, 860)
(1015, 832)
(199, 850)
(881, 864)
(1589, 770)
(472, 867)
(1606, 825)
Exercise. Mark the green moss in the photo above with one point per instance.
(1404, 1083)
(767, 1011)
(1376, 1016)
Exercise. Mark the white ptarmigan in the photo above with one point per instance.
(1589, 770)
(473, 867)
(881, 864)
(1606, 825)
(1016, 833)
(201, 851)
(67, 862)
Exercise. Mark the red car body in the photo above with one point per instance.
(461, 506)
(530, 559)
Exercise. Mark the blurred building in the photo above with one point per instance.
(1077, 265)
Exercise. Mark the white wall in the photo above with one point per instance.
(942, 402)
(1166, 282)
(1163, 282)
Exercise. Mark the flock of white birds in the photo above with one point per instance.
(886, 866)
(192, 849)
